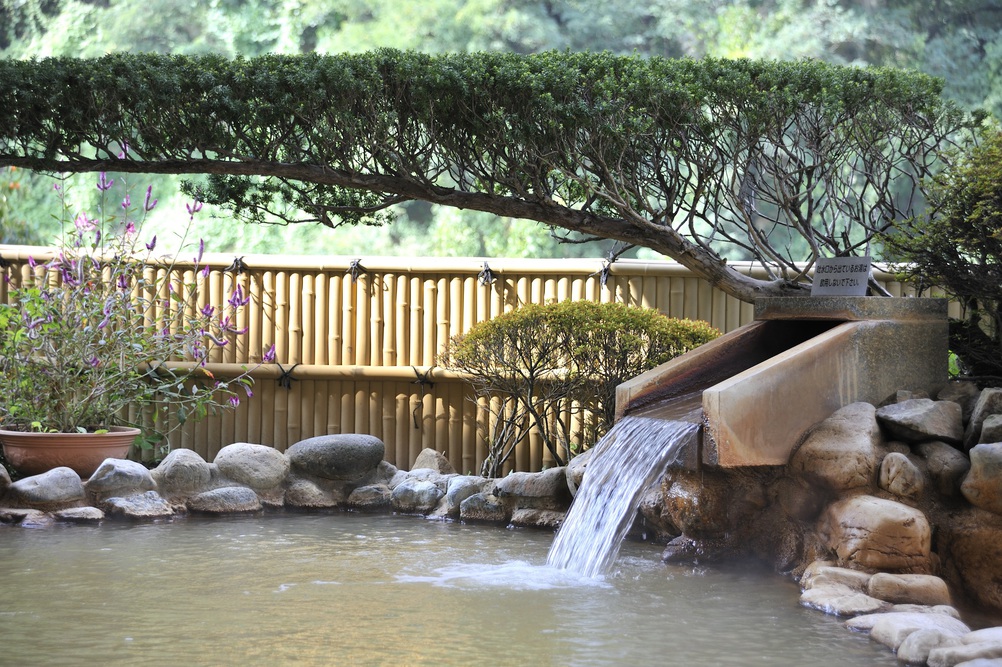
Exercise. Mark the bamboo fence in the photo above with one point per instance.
(357, 341)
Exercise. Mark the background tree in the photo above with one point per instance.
(957, 245)
(777, 162)
(960, 40)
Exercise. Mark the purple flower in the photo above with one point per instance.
(205, 271)
(194, 207)
(127, 202)
(153, 242)
(31, 261)
(234, 400)
(208, 310)
(123, 282)
(103, 184)
(237, 299)
(125, 150)
(130, 228)
(201, 250)
(269, 355)
(84, 224)
(149, 204)
(94, 362)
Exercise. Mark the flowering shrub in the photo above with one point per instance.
(91, 333)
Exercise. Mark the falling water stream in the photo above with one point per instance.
(628, 460)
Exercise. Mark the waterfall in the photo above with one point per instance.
(627, 461)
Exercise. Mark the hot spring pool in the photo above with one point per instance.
(348, 589)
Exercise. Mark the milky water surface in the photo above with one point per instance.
(349, 589)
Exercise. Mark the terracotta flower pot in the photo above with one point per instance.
(34, 453)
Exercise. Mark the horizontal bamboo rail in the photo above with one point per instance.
(358, 340)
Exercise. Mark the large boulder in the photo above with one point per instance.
(182, 473)
(872, 533)
(484, 508)
(346, 456)
(946, 465)
(255, 466)
(893, 628)
(309, 494)
(841, 600)
(147, 506)
(435, 460)
(909, 588)
(225, 500)
(369, 497)
(900, 477)
(922, 419)
(546, 490)
(970, 546)
(989, 403)
(844, 451)
(983, 485)
(58, 488)
(991, 430)
(119, 477)
(416, 496)
(962, 392)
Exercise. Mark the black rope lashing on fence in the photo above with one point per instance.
(486, 275)
(422, 381)
(237, 266)
(285, 379)
(356, 269)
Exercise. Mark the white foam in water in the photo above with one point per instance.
(627, 461)
(513, 575)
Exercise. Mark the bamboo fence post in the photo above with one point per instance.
(307, 417)
(321, 319)
(400, 336)
(403, 424)
(416, 323)
(335, 327)
(348, 314)
(389, 323)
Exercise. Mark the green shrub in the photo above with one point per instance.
(957, 245)
(537, 367)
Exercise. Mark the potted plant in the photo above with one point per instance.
(89, 346)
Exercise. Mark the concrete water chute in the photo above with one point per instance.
(763, 386)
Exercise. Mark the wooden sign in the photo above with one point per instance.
(841, 276)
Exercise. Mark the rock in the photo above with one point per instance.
(983, 635)
(915, 648)
(983, 484)
(981, 662)
(843, 452)
(682, 549)
(25, 517)
(429, 458)
(4, 481)
(370, 497)
(909, 588)
(922, 419)
(55, 489)
(415, 495)
(926, 609)
(950, 656)
(182, 473)
(460, 488)
(576, 468)
(989, 403)
(304, 493)
(225, 500)
(119, 477)
(964, 393)
(892, 628)
(825, 575)
(536, 518)
(798, 499)
(80, 514)
(146, 506)
(873, 533)
(384, 474)
(947, 466)
(970, 546)
(703, 506)
(256, 466)
(538, 490)
(841, 600)
(484, 508)
(347, 456)
(427, 475)
(900, 476)
(991, 430)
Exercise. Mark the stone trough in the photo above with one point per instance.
(763, 386)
